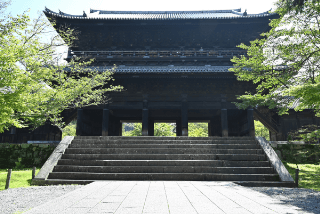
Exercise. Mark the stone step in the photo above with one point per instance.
(163, 176)
(160, 151)
(164, 169)
(170, 146)
(242, 183)
(154, 138)
(211, 163)
(233, 157)
(135, 141)
(92, 158)
(266, 183)
(60, 182)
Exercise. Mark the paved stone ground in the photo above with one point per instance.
(164, 197)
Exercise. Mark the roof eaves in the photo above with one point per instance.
(160, 12)
(159, 16)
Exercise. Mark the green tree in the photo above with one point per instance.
(70, 129)
(297, 5)
(35, 86)
(160, 129)
(261, 130)
(164, 129)
(198, 129)
(285, 62)
(137, 130)
(169, 129)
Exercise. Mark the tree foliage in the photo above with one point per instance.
(35, 86)
(261, 130)
(307, 133)
(285, 62)
(296, 5)
(70, 129)
(198, 129)
(160, 129)
(169, 129)
(164, 129)
(137, 130)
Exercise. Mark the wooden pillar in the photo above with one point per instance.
(250, 122)
(184, 119)
(211, 127)
(224, 122)
(105, 122)
(120, 128)
(145, 120)
(79, 131)
(151, 127)
(178, 128)
(224, 116)
(145, 116)
(116, 127)
(112, 124)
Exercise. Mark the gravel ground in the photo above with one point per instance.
(23, 199)
(306, 199)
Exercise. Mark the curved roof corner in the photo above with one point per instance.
(156, 15)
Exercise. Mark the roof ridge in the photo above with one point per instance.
(162, 12)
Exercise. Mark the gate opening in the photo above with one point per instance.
(165, 129)
(261, 130)
(131, 129)
(198, 130)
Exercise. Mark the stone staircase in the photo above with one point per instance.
(239, 159)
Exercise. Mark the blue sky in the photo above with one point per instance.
(76, 7)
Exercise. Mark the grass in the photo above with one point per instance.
(309, 174)
(19, 178)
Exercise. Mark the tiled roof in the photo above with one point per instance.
(156, 15)
(165, 69)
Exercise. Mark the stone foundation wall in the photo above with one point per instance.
(24, 155)
(296, 151)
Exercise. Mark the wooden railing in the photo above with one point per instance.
(158, 54)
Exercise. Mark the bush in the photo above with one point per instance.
(300, 154)
(19, 156)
